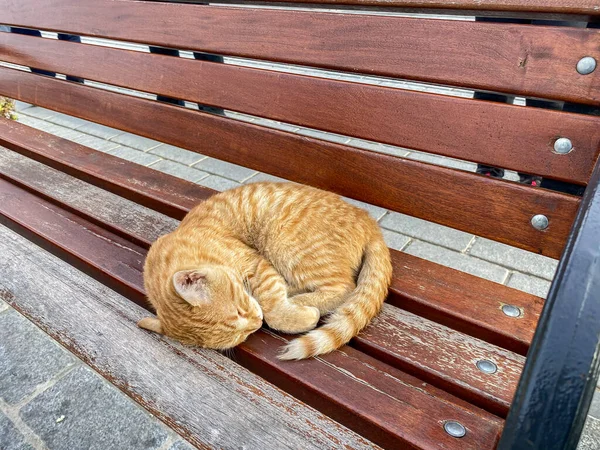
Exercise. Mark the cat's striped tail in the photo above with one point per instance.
(355, 313)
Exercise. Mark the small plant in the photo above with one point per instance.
(7, 108)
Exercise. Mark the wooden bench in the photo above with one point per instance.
(421, 371)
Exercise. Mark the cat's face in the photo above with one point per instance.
(208, 307)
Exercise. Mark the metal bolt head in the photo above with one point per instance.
(511, 311)
(455, 429)
(563, 146)
(586, 65)
(487, 366)
(539, 222)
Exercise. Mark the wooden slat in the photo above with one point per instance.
(522, 59)
(192, 391)
(460, 128)
(390, 417)
(434, 193)
(456, 299)
(400, 338)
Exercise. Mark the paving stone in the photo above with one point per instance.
(43, 125)
(426, 231)
(514, 258)
(218, 183)
(379, 148)
(65, 120)
(595, 407)
(181, 445)
(443, 161)
(40, 113)
(395, 240)
(337, 138)
(260, 177)
(376, 212)
(135, 141)
(3, 306)
(530, 284)
(225, 169)
(68, 133)
(94, 142)
(134, 155)
(29, 357)
(99, 130)
(177, 154)
(11, 438)
(590, 438)
(458, 261)
(276, 125)
(21, 106)
(82, 410)
(179, 170)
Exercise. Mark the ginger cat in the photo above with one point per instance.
(289, 252)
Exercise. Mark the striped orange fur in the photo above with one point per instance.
(280, 251)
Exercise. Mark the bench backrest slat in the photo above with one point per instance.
(514, 138)
(520, 59)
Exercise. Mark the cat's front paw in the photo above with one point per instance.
(293, 319)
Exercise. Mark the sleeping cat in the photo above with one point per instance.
(282, 252)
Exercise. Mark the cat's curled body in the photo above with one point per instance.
(288, 252)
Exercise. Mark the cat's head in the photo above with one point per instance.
(207, 306)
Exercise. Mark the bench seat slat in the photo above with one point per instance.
(446, 196)
(385, 420)
(456, 299)
(401, 338)
(459, 128)
(521, 59)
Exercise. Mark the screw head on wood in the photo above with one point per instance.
(511, 311)
(455, 429)
(563, 146)
(586, 65)
(487, 366)
(539, 222)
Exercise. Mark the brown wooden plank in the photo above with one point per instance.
(460, 128)
(522, 59)
(387, 419)
(192, 391)
(461, 301)
(443, 357)
(399, 338)
(434, 193)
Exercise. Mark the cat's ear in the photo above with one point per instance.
(192, 286)
(151, 324)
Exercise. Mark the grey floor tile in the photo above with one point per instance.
(395, 240)
(10, 437)
(218, 183)
(98, 130)
(40, 113)
(514, 258)
(376, 212)
(442, 161)
(94, 142)
(135, 141)
(260, 177)
(29, 357)
(590, 439)
(82, 410)
(426, 231)
(179, 170)
(225, 169)
(530, 284)
(177, 154)
(458, 261)
(65, 120)
(134, 155)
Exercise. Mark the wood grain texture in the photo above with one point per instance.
(443, 357)
(461, 301)
(399, 338)
(460, 128)
(210, 400)
(446, 196)
(520, 59)
(387, 420)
